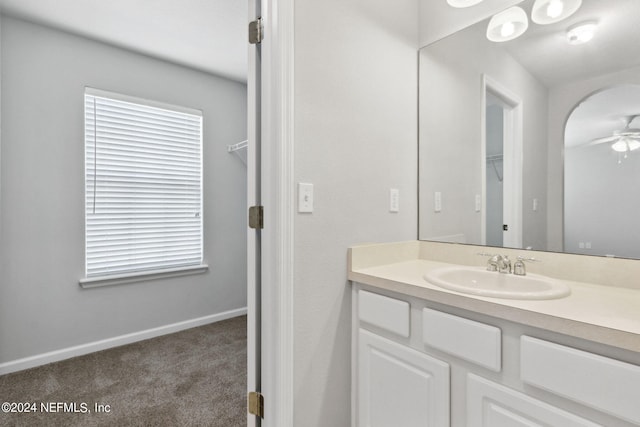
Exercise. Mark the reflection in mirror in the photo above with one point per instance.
(492, 133)
(601, 174)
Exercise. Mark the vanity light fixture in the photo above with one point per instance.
(507, 25)
(582, 32)
(549, 11)
(462, 3)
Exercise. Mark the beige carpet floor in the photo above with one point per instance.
(195, 377)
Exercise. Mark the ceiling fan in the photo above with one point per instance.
(624, 140)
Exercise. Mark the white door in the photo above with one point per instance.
(254, 269)
(399, 386)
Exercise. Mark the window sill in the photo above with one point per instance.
(95, 282)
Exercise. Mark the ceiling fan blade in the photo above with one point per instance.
(602, 140)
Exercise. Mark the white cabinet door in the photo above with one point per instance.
(492, 405)
(399, 386)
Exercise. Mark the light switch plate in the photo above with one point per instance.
(437, 201)
(305, 197)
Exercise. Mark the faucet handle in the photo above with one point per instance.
(521, 258)
(519, 268)
(493, 263)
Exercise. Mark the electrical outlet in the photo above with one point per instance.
(394, 200)
(437, 201)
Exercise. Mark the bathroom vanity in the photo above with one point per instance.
(426, 355)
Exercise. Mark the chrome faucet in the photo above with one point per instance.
(505, 265)
(502, 264)
(499, 263)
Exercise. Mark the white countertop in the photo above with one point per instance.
(605, 314)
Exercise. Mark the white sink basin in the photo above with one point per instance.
(479, 281)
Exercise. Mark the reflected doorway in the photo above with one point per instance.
(502, 139)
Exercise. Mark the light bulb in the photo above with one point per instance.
(550, 11)
(555, 8)
(507, 25)
(507, 29)
(620, 146)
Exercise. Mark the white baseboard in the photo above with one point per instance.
(79, 350)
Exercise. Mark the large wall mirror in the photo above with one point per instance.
(530, 130)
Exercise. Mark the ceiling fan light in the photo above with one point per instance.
(507, 25)
(582, 32)
(634, 144)
(619, 146)
(462, 3)
(550, 11)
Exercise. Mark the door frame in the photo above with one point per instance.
(276, 177)
(512, 161)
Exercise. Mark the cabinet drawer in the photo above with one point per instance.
(493, 405)
(387, 313)
(469, 340)
(605, 384)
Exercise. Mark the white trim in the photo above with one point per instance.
(82, 349)
(96, 282)
(279, 201)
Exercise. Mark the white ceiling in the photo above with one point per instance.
(544, 51)
(210, 35)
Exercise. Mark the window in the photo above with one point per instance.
(143, 185)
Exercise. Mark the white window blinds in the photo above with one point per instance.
(143, 182)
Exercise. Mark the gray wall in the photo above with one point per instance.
(355, 138)
(42, 307)
(601, 202)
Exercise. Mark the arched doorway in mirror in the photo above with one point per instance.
(602, 174)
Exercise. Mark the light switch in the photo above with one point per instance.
(305, 197)
(394, 200)
(437, 201)
(478, 203)
(535, 205)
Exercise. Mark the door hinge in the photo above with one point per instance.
(256, 217)
(255, 404)
(256, 31)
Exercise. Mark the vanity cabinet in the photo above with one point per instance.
(420, 363)
(399, 386)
